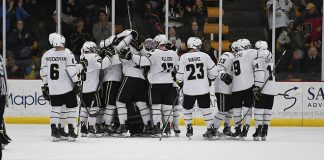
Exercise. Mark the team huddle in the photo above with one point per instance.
(125, 87)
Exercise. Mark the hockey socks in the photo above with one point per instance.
(228, 118)
(266, 117)
(187, 115)
(63, 116)
(176, 115)
(122, 112)
(84, 115)
(207, 116)
(55, 115)
(156, 113)
(218, 118)
(247, 113)
(166, 112)
(237, 114)
(109, 114)
(258, 117)
(145, 111)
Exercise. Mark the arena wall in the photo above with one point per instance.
(302, 104)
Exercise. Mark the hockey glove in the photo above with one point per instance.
(256, 92)
(226, 78)
(77, 88)
(180, 84)
(134, 34)
(84, 63)
(171, 46)
(83, 74)
(134, 44)
(45, 92)
(125, 54)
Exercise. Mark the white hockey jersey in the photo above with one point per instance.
(92, 75)
(112, 69)
(269, 79)
(161, 64)
(194, 70)
(224, 65)
(59, 71)
(248, 70)
(3, 78)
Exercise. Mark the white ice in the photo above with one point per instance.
(32, 142)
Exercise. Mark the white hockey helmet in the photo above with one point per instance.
(234, 46)
(160, 39)
(261, 45)
(51, 37)
(243, 44)
(58, 41)
(194, 43)
(148, 44)
(107, 42)
(89, 46)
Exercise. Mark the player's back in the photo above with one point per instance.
(57, 62)
(269, 79)
(163, 62)
(225, 64)
(92, 74)
(243, 70)
(196, 67)
(113, 71)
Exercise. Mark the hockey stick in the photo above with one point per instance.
(274, 68)
(167, 121)
(79, 121)
(129, 16)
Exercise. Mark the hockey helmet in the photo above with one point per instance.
(89, 46)
(160, 39)
(51, 37)
(261, 45)
(58, 41)
(194, 43)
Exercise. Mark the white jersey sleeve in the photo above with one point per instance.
(269, 79)
(224, 65)
(258, 69)
(194, 70)
(71, 67)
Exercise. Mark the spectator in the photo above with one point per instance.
(206, 47)
(195, 31)
(13, 70)
(78, 37)
(20, 12)
(102, 29)
(283, 7)
(19, 41)
(311, 65)
(173, 38)
(10, 16)
(295, 64)
(89, 13)
(312, 24)
(200, 11)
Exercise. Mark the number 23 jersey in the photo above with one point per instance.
(194, 70)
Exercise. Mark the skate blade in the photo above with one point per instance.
(84, 135)
(63, 138)
(123, 135)
(190, 138)
(91, 135)
(242, 138)
(155, 136)
(54, 139)
(264, 138)
(177, 135)
(256, 138)
(71, 139)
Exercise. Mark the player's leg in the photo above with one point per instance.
(167, 108)
(221, 113)
(188, 103)
(4, 139)
(141, 99)
(56, 105)
(124, 95)
(156, 100)
(247, 111)
(204, 105)
(269, 99)
(71, 105)
(258, 118)
(228, 117)
(237, 112)
(176, 111)
(62, 123)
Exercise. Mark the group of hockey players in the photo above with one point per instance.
(122, 86)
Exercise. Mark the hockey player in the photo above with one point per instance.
(195, 68)
(90, 96)
(133, 87)
(161, 62)
(4, 138)
(248, 77)
(223, 90)
(264, 103)
(112, 75)
(61, 84)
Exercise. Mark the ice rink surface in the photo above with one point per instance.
(32, 142)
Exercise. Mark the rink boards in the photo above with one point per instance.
(302, 104)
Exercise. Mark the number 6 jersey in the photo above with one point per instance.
(59, 71)
(194, 70)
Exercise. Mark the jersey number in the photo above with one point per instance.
(270, 73)
(54, 72)
(237, 69)
(192, 69)
(167, 67)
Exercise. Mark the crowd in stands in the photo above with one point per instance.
(299, 35)
(29, 22)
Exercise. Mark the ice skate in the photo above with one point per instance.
(244, 132)
(84, 130)
(72, 136)
(4, 138)
(147, 130)
(210, 133)
(167, 130)
(63, 134)
(237, 131)
(121, 131)
(108, 130)
(99, 130)
(92, 132)
(176, 132)
(55, 135)
(264, 132)
(227, 131)
(256, 136)
(156, 131)
(189, 131)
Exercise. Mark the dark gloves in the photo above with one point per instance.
(226, 78)
(134, 34)
(45, 92)
(256, 92)
(84, 63)
(107, 51)
(125, 54)
(171, 46)
(83, 74)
